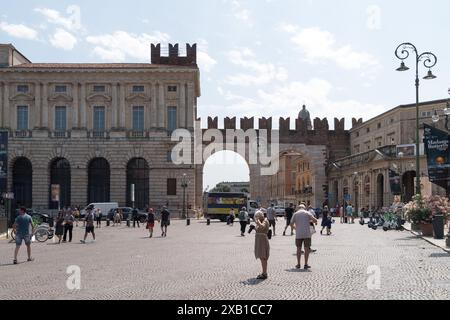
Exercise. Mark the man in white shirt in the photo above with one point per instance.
(301, 221)
(272, 217)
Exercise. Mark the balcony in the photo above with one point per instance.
(98, 134)
(23, 134)
(60, 134)
(137, 134)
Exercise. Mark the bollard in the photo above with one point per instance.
(188, 221)
(208, 222)
(128, 223)
(107, 222)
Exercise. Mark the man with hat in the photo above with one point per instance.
(90, 218)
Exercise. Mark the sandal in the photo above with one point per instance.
(262, 277)
(15, 262)
(30, 259)
(297, 266)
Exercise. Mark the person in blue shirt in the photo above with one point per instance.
(23, 227)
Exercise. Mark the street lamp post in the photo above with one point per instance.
(184, 185)
(429, 61)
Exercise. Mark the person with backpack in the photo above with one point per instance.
(243, 220)
(165, 221)
(135, 215)
(289, 212)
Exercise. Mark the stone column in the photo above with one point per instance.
(6, 107)
(182, 106)
(122, 106)
(83, 116)
(79, 181)
(114, 108)
(190, 106)
(161, 107)
(1, 105)
(37, 105)
(41, 181)
(45, 105)
(75, 95)
(153, 107)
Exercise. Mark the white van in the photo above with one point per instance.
(103, 206)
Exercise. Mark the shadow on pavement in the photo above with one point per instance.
(440, 255)
(252, 282)
(297, 270)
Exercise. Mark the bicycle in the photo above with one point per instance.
(42, 233)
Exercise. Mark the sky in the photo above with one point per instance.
(256, 57)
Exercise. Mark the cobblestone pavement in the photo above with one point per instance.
(214, 262)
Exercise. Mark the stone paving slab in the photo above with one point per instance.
(214, 262)
(441, 243)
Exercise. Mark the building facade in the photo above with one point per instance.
(379, 147)
(97, 129)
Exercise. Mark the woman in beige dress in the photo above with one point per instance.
(262, 247)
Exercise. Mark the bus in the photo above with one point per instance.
(219, 204)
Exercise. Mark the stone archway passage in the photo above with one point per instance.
(60, 174)
(99, 180)
(138, 174)
(23, 182)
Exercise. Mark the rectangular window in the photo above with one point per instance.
(171, 187)
(357, 134)
(99, 119)
(138, 88)
(368, 130)
(60, 89)
(172, 88)
(99, 88)
(171, 119)
(22, 88)
(379, 125)
(60, 119)
(138, 118)
(22, 118)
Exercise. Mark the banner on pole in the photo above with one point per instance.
(437, 150)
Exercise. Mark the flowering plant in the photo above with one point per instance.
(438, 205)
(417, 210)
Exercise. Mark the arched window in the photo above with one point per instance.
(98, 180)
(60, 174)
(23, 182)
(138, 174)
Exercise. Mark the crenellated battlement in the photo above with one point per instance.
(174, 57)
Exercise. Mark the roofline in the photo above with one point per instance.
(11, 46)
(402, 106)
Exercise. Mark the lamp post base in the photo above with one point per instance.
(188, 221)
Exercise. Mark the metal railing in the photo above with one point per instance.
(23, 134)
(61, 134)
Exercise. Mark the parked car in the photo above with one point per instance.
(103, 206)
(127, 211)
(279, 211)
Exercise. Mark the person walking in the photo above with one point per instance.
(135, 214)
(243, 220)
(59, 226)
(90, 217)
(349, 212)
(98, 217)
(288, 213)
(150, 222)
(76, 215)
(326, 221)
(272, 217)
(165, 221)
(68, 225)
(231, 217)
(23, 228)
(301, 221)
(262, 246)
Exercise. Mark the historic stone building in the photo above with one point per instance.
(96, 129)
(386, 142)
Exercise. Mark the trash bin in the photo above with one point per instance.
(188, 221)
(208, 222)
(438, 226)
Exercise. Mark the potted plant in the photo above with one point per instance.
(419, 214)
(439, 206)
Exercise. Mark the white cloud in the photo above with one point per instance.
(259, 73)
(19, 31)
(286, 100)
(319, 45)
(119, 45)
(204, 60)
(63, 40)
(72, 22)
(241, 13)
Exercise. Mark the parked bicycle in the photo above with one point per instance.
(41, 233)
